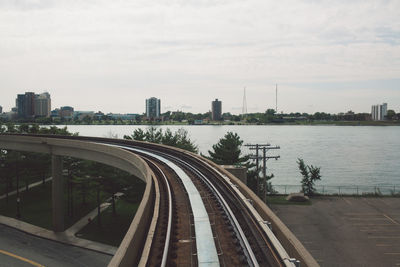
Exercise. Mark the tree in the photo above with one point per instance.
(178, 139)
(227, 151)
(390, 114)
(310, 175)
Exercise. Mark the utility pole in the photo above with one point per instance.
(264, 157)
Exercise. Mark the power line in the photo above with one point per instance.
(264, 158)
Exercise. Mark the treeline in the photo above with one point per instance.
(267, 117)
(226, 152)
(178, 139)
(270, 116)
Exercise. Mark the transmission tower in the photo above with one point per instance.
(276, 99)
(244, 106)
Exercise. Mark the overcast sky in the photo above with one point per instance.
(330, 56)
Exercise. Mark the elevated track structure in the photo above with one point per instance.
(193, 212)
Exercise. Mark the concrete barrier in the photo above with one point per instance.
(128, 253)
(288, 240)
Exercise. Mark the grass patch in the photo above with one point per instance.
(113, 228)
(281, 200)
(36, 206)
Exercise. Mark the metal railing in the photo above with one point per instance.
(384, 190)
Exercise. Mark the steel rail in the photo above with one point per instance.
(206, 249)
(276, 245)
(250, 257)
(169, 226)
(271, 238)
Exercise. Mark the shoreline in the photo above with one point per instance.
(339, 123)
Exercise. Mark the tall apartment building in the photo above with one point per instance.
(216, 109)
(153, 109)
(30, 105)
(1, 109)
(42, 105)
(379, 112)
(25, 104)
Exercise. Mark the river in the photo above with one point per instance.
(347, 155)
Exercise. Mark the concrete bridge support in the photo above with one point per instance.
(57, 192)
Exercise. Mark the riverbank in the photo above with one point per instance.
(311, 123)
(222, 123)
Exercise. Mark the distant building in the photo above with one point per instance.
(42, 107)
(153, 108)
(80, 115)
(379, 112)
(55, 113)
(12, 115)
(99, 115)
(20, 105)
(30, 105)
(216, 110)
(118, 116)
(1, 109)
(67, 112)
(25, 104)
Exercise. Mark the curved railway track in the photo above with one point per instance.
(238, 234)
(229, 233)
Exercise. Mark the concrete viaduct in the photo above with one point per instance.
(131, 247)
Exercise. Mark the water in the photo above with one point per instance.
(348, 156)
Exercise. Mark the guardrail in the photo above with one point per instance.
(358, 190)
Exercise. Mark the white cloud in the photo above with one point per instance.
(193, 51)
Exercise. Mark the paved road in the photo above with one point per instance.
(21, 249)
(347, 231)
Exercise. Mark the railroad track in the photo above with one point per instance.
(238, 237)
(204, 220)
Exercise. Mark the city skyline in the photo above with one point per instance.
(328, 57)
(152, 105)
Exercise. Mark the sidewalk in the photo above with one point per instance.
(23, 188)
(90, 216)
(62, 237)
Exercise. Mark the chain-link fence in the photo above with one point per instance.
(386, 190)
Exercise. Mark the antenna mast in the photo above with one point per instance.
(244, 107)
(276, 98)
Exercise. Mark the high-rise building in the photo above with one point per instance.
(20, 105)
(216, 109)
(379, 112)
(25, 105)
(1, 109)
(153, 108)
(42, 105)
(30, 105)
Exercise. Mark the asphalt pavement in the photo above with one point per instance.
(347, 231)
(20, 249)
